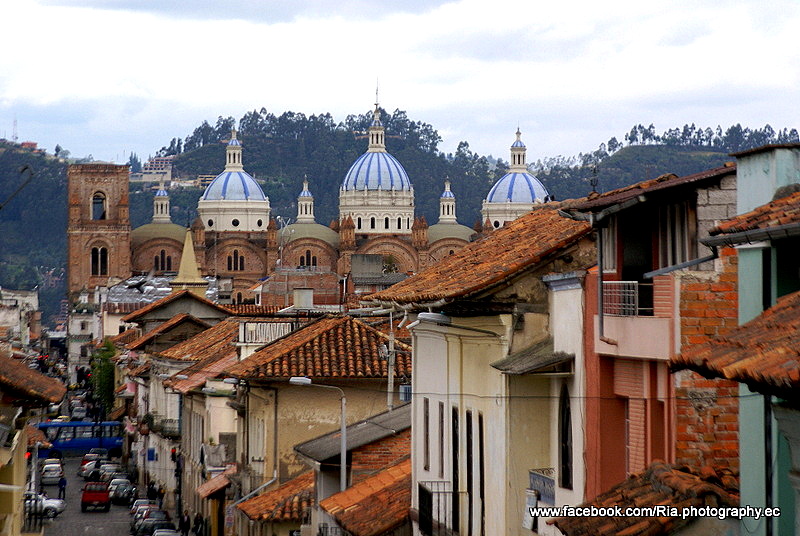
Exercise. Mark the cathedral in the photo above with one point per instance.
(236, 241)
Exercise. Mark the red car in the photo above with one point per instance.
(95, 495)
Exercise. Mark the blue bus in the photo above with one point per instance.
(75, 438)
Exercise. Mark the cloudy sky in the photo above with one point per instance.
(107, 77)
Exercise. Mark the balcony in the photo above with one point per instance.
(438, 508)
(167, 428)
(638, 319)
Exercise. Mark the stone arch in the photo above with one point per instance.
(324, 253)
(404, 255)
(142, 256)
(441, 248)
(255, 259)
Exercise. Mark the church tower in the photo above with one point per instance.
(98, 230)
(161, 206)
(305, 205)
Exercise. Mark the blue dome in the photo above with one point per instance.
(447, 194)
(234, 186)
(376, 170)
(234, 142)
(162, 193)
(518, 143)
(518, 188)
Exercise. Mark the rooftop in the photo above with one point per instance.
(330, 347)
(25, 386)
(763, 353)
(139, 313)
(164, 328)
(375, 505)
(479, 266)
(216, 340)
(659, 484)
(287, 502)
(783, 211)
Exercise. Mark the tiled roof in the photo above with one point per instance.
(763, 353)
(141, 370)
(660, 484)
(375, 505)
(779, 212)
(28, 386)
(359, 434)
(129, 335)
(163, 328)
(632, 191)
(134, 316)
(123, 307)
(216, 340)
(36, 436)
(249, 309)
(216, 483)
(288, 502)
(331, 347)
(480, 265)
(205, 369)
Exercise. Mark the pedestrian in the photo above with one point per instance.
(185, 523)
(198, 524)
(62, 488)
(152, 493)
(161, 493)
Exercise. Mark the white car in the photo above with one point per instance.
(51, 474)
(37, 503)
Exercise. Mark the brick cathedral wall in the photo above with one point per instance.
(369, 459)
(707, 410)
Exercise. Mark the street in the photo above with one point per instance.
(73, 522)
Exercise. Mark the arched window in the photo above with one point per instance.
(399, 223)
(155, 264)
(386, 223)
(235, 262)
(372, 223)
(99, 206)
(99, 261)
(314, 260)
(307, 258)
(564, 439)
(239, 297)
(169, 263)
(359, 223)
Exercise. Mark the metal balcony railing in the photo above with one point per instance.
(627, 298)
(438, 508)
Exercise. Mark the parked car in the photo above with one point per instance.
(124, 494)
(51, 474)
(141, 502)
(39, 503)
(51, 461)
(166, 532)
(148, 526)
(100, 451)
(87, 469)
(108, 476)
(78, 413)
(95, 495)
(148, 514)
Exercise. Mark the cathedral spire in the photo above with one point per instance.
(305, 205)
(189, 274)
(233, 154)
(377, 139)
(518, 151)
(447, 205)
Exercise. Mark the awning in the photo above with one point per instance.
(540, 358)
(215, 484)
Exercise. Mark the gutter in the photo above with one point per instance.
(756, 235)
(667, 269)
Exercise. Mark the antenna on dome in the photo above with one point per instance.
(377, 86)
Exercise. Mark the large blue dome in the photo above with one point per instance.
(518, 188)
(376, 171)
(234, 186)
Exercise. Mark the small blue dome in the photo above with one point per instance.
(234, 142)
(162, 193)
(518, 143)
(376, 170)
(518, 188)
(234, 186)
(305, 193)
(447, 193)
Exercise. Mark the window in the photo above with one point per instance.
(359, 223)
(386, 223)
(399, 223)
(565, 440)
(441, 439)
(481, 472)
(235, 222)
(99, 206)
(99, 261)
(610, 245)
(454, 447)
(470, 469)
(426, 435)
(235, 262)
(162, 262)
(211, 223)
(677, 234)
(260, 223)
(372, 223)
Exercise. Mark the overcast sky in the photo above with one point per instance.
(107, 77)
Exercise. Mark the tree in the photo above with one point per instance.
(103, 375)
(135, 163)
(57, 150)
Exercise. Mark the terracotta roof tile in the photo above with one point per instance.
(480, 265)
(660, 484)
(331, 347)
(205, 369)
(763, 353)
(663, 182)
(35, 435)
(123, 307)
(249, 309)
(779, 212)
(375, 505)
(288, 502)
(216, 340)
(163, 328)
(28, 386)
(129, 335)
(141, 370)
(216, 483)
(134, 316)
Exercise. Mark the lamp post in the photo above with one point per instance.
(302, 380)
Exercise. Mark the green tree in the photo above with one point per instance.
(103, 375)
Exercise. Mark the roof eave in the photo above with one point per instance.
(755, 235)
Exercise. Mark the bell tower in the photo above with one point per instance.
(98, 230)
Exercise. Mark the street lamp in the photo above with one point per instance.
(302, 380)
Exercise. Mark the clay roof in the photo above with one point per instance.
(779, 212)
(141, 370)
(129, 335)
(480, 265)
(664, 182)
(331, 347)
(288, 502)
(216, 483)
(35, 435)
(163, 328)
(28, 386)
(375, 505)
(249, 309)
(660, 484)
(763, 353)
(205, 369)
(216, 340)
(134, 316)
(123, 307)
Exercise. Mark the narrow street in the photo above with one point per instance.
(73, 522)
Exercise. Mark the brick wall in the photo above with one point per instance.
(707, 411)
(368, 459)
